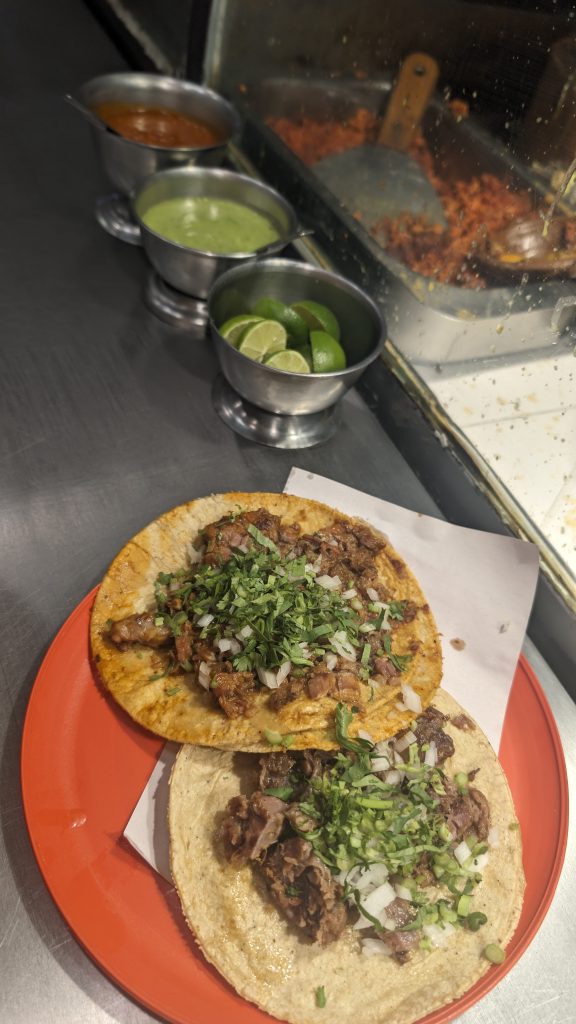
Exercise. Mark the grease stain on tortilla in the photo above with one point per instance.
(458, 644)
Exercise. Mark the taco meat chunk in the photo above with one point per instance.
(232, 534)
(140, 629)
(429, 728)
(275, 770)
(250, 826)
(233, 691)
(465, 812)
(304, 889)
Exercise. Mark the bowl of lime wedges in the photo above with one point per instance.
(291, 339)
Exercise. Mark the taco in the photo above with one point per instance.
(242, 620)
(376, 883)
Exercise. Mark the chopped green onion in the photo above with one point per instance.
(495, 954)
(320, 997)
(274, 738)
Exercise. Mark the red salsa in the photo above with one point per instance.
(157, 126)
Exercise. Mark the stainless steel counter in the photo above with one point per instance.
(106, 420)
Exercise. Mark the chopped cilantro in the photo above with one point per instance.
(400, 661)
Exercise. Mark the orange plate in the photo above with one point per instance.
(84, 765)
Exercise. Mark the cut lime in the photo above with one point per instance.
(289, 360)
(328, 356)
(234, 327)
(318, 317)
(273, 309)
(262, 339)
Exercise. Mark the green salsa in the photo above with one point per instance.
(210, 225)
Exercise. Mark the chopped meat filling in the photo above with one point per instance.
(275, 770)
(305, 891)
(465, 812)
(429, 727)
(234, 692)
(251, 826)
(140, 629)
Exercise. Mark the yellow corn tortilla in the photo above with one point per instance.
(176, 707)
(271, 964)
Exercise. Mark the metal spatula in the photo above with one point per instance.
(382, 179)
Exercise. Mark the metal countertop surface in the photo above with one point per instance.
(106, 421)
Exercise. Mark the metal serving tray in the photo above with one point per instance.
(428, 322)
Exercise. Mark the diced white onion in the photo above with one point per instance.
(243, 548)
(405, 741)
(494, 837)
(377, 900)
(349, 593)
(367, 627)
(365, 735)
(380, 764)
(245, 632)
(331, 661)
(313, 568)
(372, 594)
(411, 698)
(342, 645)
(375, 947)
(387, 922)
(224, 644)
(204, 620)
(438, 934)
(382, 747)
(283, 671)
(403, 893)
(267, 677)
(235, 647)
(204, 675)
(371, 878)
(329, 582)
(480, 862)
(195, 554)
(398, 759)
(431, 755)
(356, 604)
(393, 777)
(462, 852)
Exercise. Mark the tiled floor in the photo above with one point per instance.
(522, 420)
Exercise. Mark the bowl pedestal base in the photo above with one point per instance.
(113, 213)
(270, 428)
(174, 307)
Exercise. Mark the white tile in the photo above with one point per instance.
(533, 456)
(503, 392)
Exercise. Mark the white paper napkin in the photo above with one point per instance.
(480, 587)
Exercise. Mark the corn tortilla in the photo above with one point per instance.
(176, 707)
(269, 963)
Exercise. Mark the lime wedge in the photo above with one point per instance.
(318, 317)
(295, 326)
(261, 339)
(328, 356)
(289, 360)
(234, 327)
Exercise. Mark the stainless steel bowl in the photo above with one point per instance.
(294, 394)
(128, 163)
(190, 270)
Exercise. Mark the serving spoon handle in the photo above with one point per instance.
(272, 246)
(90, 116)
